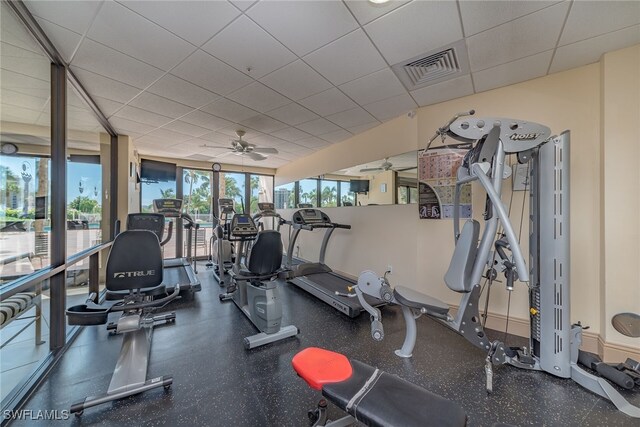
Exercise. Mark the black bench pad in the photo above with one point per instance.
(393, 401)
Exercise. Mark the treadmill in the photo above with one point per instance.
(175, 270)
(318, 278)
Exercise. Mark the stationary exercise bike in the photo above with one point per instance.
(554, 341)
(140, 276)
(220, 247)
(253, 288)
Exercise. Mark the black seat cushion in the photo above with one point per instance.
(266, 253)
(393, 401)
(418, 300)
(135, 261)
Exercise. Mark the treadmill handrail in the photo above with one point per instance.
(169, 234)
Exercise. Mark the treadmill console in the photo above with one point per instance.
(170, 208)
(225, 206)
(266, 206)
(310, 217)
(242, 225)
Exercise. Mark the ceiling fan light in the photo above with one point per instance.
(378, 1)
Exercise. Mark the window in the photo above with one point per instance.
(197, 187)
(347, 198)
(261, 191)
(232, 186)
(407, 194)
(284, 197)
(328, 194)
(308, 192)
(151, 190)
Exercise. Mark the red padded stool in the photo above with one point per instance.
(318, 367)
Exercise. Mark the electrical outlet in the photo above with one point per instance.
(390, 268)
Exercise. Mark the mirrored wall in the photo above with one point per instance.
(388, 181)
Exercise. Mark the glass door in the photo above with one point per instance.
(197, 187)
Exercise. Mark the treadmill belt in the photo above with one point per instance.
(175, 275)
(331, 283)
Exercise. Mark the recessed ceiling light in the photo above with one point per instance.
(378, 1)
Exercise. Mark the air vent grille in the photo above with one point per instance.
(434, 67)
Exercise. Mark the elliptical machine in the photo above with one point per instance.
(253, 288)
(220, 247)
(554, 340)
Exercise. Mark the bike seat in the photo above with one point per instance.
(418, 300)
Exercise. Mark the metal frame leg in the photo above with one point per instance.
(411, 332)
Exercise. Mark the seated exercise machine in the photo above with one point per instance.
(220, 248)
(141, 277)
(371, 396)
(554, 341)
(253, 288)
(318, 278)
(177, 270)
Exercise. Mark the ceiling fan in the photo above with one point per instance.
(385, 166)
(239, 147)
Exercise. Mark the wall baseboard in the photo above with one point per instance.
(591, 342)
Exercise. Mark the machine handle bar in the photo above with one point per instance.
(154, 303)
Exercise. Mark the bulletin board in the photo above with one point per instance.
(437, 171)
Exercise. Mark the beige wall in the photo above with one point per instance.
(620, 287)
(375, 195)
(419, 250)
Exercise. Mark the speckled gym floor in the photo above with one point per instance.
(218, 383)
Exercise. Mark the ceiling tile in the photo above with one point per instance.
(129, 33)
(215, 138)
(318, 127)
(296, 80)
(258, 97)
(350, 118)
(194, 21)
(337, 136)
(105, 61)
(592, 18)
(204, 70)
(292, 114)
(230, 132)
(328, 102)
(347, 58)
(19, 114)
(164, 135)
(312, 142)
(291, 134)
(205, 120)
(243, 4)
(10, 97)
(14, 32)
(513, 72)
(365, 11)
(590, 50)
(444, 91)
(377, 86)
(105, 87)
(478, 16)
(179, 90)
(244, 45)
(25, 84)
(517, 39)
(186, 128)
(391, 107)
(142, 116)
(268, 141)
(107, 106)
(263, 123)
(65, 41)
(127, 126)
(296, 151)
(25, 62)
(303, 26)
(74, 15)
(362, 128)
(403, 33)
(157, 104)
(229, 110)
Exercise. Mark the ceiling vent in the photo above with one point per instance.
(433, 67)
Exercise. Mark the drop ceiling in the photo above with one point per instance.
(301, 75)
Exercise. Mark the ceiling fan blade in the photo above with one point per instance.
(217, 146)
(371, 170)
(223, 154)
(265, 150)
(256, 156)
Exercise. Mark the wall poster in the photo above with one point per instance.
(437, 170)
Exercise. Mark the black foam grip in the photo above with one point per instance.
(615, 376)
(589, 360)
